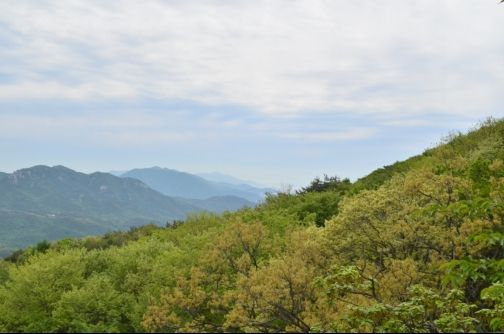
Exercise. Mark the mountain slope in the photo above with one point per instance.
(486, 136)
(59, 189)
(180, 184)
(55, 202)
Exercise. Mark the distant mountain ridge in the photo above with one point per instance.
(224, 178)
(181, 184)
(44, 202)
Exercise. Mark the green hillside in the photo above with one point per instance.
(417, 246)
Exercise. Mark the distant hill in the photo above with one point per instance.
(180, 184)
(56, 202)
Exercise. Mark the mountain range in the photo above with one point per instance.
(180, 184)
(51, 203)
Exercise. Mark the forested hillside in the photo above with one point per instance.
(417, 246)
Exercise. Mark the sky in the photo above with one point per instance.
(275, 91)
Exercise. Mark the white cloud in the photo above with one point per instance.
(392, 57)
(335, 136)
(142, 139)
(55, 90)
(136, 130)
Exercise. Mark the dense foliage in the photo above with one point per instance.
(415, 247)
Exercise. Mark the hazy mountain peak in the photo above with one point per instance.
(182, 184)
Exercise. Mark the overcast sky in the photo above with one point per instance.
(273, 91)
